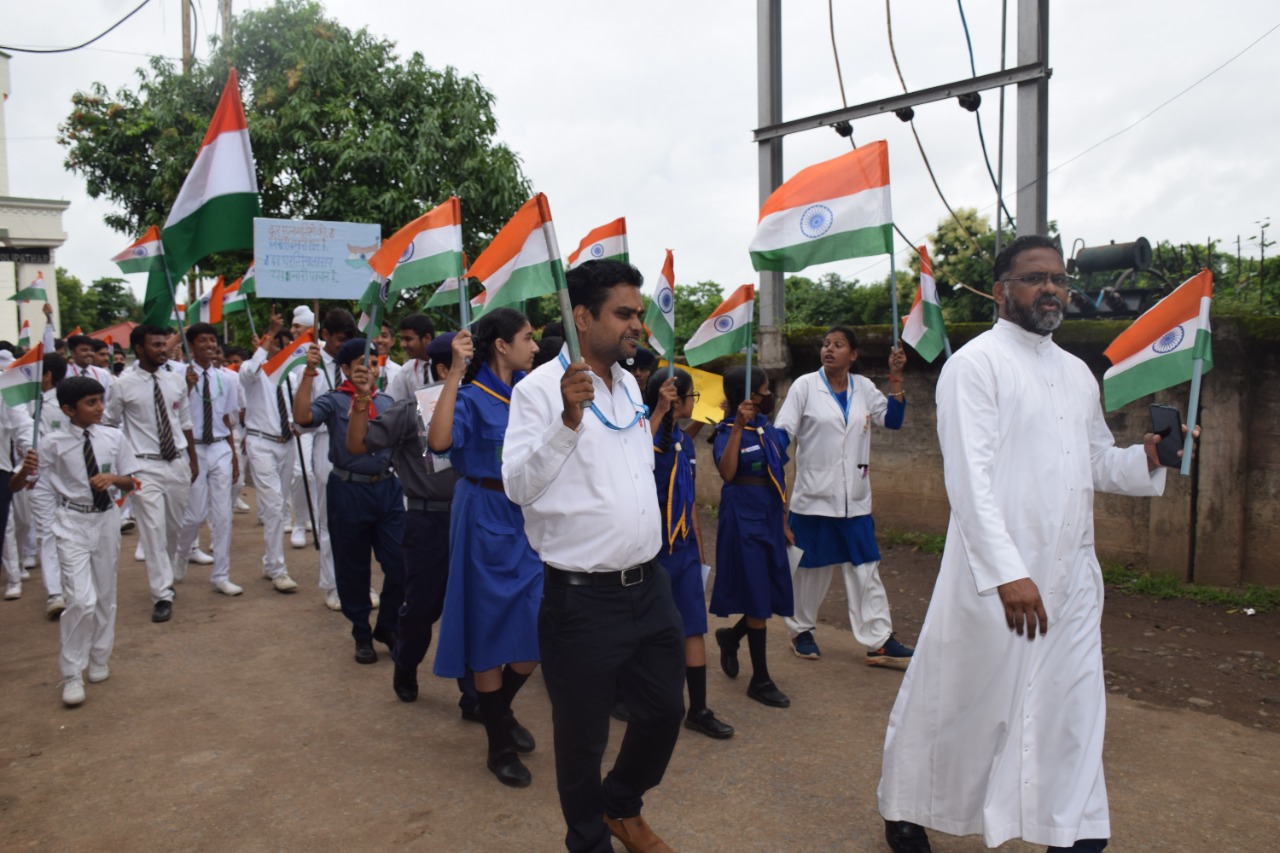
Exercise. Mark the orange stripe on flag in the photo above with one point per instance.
(385, 259)
(926, 265)
(1175, 309)
(745, 293)
(273, 364)
(511, 239)
(862, 169)
(229, 117)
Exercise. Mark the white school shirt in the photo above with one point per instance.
(62, 465)
(589, 499)
(827, 450)
(132, 407)
(992, 734)
(390, 371)
(15, 426)
(262, 411)
(408, 378)
(224, 394)
(103, 376)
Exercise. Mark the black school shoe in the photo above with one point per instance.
(767, 693)
(365, 652)
(521, 738)
(162, 611)
(705, 721)
(906, 837)
(728, 651)
(509, 769)
(405, 683)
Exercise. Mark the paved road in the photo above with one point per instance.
(244, 724)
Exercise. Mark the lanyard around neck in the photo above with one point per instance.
(641, 410)
(848, 395)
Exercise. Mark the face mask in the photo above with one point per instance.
(766, 405)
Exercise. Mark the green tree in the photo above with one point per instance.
(342, 129)
(74, 304)
(694, 302)
(956, 263)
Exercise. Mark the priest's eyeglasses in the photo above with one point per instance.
(1037, 279)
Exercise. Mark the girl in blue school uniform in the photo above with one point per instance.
(490, 620)
(671, 399)
(753, 575)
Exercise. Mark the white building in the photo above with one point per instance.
(30, 231)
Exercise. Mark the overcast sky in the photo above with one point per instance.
(645, 110)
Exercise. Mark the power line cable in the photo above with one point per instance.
(137, 9)
(982, 139)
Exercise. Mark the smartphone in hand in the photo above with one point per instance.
(1166, 422)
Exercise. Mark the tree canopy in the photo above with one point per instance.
(104, 303)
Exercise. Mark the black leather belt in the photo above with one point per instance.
(493, 484)
(85, 508)
(278, 439)
(157, 457)
(627, 577)
(353, 477)
(746, 480)
(424, 505)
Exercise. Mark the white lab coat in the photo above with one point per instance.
(828, 450)
(990, 733)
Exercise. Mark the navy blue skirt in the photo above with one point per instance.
(685, 570)
(828, 541)
(753, 576)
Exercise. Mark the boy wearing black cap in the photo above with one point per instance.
(363, 497)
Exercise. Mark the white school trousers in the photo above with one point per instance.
(868, 604)
(210, 498)
(159, 507)
(44, 505)
(321, 466)
(295, 490)
(272, 463)
(88, 547)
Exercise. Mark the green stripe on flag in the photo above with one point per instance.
(1154, 375)
(428, 270)
(730, 344)
(930, 345)
(861, 242)
(221, 223)
(525, 283)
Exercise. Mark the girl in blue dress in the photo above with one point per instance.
(490, 620)
(672, 400)
(753, 575)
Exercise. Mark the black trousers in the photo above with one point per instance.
(594, 639)
(364, 518)
(6, 499)
(424, 545)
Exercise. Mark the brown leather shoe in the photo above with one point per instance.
(635, 835)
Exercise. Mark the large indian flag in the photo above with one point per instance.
(20, 381)
(923, 327)
(661, 316)
(518, 264)
(427, 250)
(142, 255)
(215, 208)
(279, 366)
(828, 212)
(606, 243)
(1160, 349)
(726, 331)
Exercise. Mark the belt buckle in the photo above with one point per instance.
(635, 571)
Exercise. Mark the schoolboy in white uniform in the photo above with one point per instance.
(82, 363)
(43, 502)
(416, 333)
(81, 461)
(214, 401)
(149, 402)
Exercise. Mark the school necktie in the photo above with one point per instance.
(101, 500)
(284, 412)
(426, 372)
(168, 450)
(206, 412)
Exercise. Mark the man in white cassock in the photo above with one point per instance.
(998, 725)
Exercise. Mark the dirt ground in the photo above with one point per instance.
(244, 724)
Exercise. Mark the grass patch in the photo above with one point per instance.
(1130, 580)
(929, 543)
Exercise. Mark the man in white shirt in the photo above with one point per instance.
(15, 432)
(270, 446)
(416, 333)
(214, 401)
(998, 726)
(584, 478)
(150, 403)
(82, 363)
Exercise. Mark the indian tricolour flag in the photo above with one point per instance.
(33, 292)
(143, 254)
(210, 304)
(215, 208)
(606, 243)
(923, 327)
(24, 334)
(727, 331)
(828, 212)
(427, 250)
(661, 316)
(20, 381)
(446, 294)
(232, 299)
(519, 264)
(293, 355)
(1161, 347)
(248, 284)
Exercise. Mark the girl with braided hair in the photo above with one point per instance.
(672, 400)
(490, 620)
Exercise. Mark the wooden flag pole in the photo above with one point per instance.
(1197, 370)
(893, 294)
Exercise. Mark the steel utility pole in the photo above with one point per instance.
(1031, 76)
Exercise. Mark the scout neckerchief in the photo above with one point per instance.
(848, 395)
(641, 409)
(680, 486)
(350, 390)
(769, 447)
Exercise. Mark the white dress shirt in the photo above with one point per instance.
(262, 410)
(589, 499)
(407, 379)
(224, 394)
(103, 376)
(15, 426)
(62, 465)
(131, 406)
